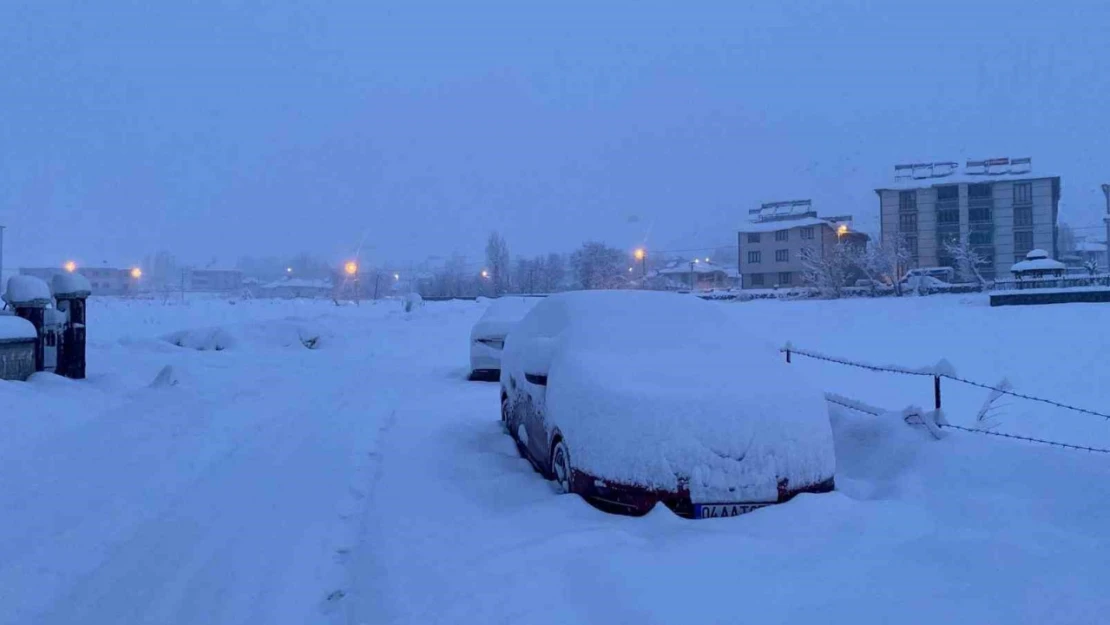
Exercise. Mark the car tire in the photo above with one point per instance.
(561, 472)
(505, 412)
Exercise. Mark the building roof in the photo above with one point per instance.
(683, 267)
(1038, 260)
(299, 283)
(785, 224)
(1090, 246)
(960, 178)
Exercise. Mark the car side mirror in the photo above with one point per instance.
(537, 359)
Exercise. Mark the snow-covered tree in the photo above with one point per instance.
(553, 271)
(967, 261)
(598, 266)
(497, 263)
(828, 272)
(1091, 265)
(886, 261)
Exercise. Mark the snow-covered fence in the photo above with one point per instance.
(944, 370)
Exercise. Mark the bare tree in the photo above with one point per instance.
(597, 266)
(553, 271)
(967, 261)
(497, 263)
(828, 272)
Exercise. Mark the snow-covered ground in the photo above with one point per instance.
(366, 481)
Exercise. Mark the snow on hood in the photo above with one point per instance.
(502, 316)
(27, 290)
(648, 388)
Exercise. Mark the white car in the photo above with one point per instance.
(633, 398)
(487, 338)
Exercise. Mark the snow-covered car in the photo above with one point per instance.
(487, 337)
(632, 398)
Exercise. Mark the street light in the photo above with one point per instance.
(288, 270)
(351, 268)
(70, 266)
(485, 273)
(396, 276)
(842, 230)
(136, 273)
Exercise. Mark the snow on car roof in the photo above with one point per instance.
(502, 315)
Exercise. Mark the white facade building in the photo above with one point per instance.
(998, 207)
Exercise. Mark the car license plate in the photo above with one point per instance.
(719, 510)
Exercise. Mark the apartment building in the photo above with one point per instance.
(103, 280)
(998, 207)
(771, 244)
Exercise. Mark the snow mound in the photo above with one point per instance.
(652, 389)
(874, 452)
(502, 316)
(412, 301)
(272, 334)
(27, 290)
(71, 284)
(14, 328)
(166, 377)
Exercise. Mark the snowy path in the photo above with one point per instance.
(232, 498)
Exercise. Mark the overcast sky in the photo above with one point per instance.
(415, 128)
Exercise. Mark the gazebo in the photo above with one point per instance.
(1037, 267)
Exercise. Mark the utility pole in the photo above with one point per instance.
(1, 258)
(1105, 191)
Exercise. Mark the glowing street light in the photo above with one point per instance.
(842, 230)
(136, 273)
(641, 257)
(485, 273)
(707, 259)
(639, 254)
(288, 270)
(70, 266)
(351, 268)
(396, 276)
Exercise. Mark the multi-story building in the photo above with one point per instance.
(771, 245)
(996, 207)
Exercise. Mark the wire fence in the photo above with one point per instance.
(871, 410)
(939, 372)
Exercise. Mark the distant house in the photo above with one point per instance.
(772, 243)
(1086, 251)
(698, 274)
(213, 280)
(292, 288)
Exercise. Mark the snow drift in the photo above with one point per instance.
(275, 334)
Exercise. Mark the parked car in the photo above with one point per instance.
(941, 274)
(487, 337)
(632, 398)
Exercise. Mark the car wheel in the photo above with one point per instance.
(560, 467)
(505, 412)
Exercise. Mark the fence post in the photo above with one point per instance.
(787, 355)
(936, 391)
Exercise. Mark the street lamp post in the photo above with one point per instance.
(351, 268)
(641, 255)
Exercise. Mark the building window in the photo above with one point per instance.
(1023, 216)
(784, 278)
(1023, 244)
(979, 215)
(980, 237)
(807, 233)
(911, 245)
(754, 258)
(907, 222)
(948, 216)
(978, 191)
(949, 193)
(782, 256)
(782, 235)
(757, 279)
(1023, 193)
(753, 237)
(907, 201)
